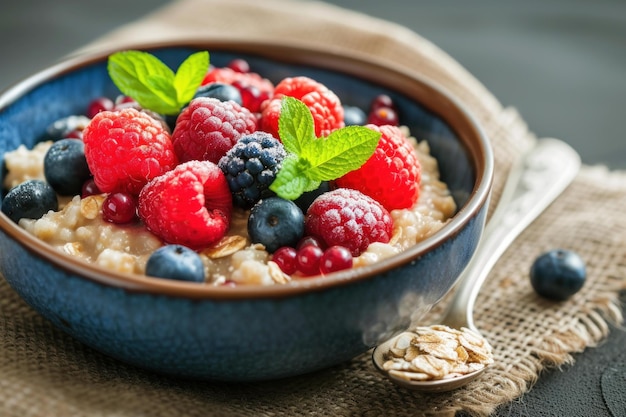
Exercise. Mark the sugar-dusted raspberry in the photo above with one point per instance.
(323, 103)
(348, 218)
(125, 149)
(207, 128)
(190, 205)
(392, 175)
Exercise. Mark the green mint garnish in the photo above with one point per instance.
(150, 82)
(312, 160)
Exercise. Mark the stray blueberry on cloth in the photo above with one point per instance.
(558, 274)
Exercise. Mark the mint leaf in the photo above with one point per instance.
(290, 182)
(295, 125)
(312, 160)
(344, 150)
(190, 74)
(153, 84)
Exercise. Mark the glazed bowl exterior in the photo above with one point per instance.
(253, 332)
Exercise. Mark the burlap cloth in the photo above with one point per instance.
(43, 372)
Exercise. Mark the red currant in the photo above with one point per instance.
(89, 188)
(308, 259)
(122, 99)
(285, 258)
(239, 65)
(251, 96)
(335, 258)
(382, 100)
(99, 104)
(383, 116)
(75, 134)
(310, 240)
(119, 208)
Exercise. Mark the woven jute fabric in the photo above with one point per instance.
(44, 372)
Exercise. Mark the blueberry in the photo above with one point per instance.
(222, 92)
(305, 200)
(354, 116)
(65, 166)
(176, 262)
(30, 199)
(558, 274)
(275, 222)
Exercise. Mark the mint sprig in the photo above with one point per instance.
(312, 160)
(150, 82)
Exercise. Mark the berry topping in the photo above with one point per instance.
(207, 128)
(89, 188)
(285, 258)
(175, 262)
(64, 126)
(252, 97)
(30, 199)
(308, 259)
(383, 116)
(99, 104)
(354, 116)
(222, 92)
(558, 274)
(251, 166)
(239, 65)
(119, 208)
(335, 258)
(382, 100)
(190, 205)
(348, 218)
(392, 175)
(125, 149)
(65, 167)
(241, 80)
(275, 222)
(324, 105)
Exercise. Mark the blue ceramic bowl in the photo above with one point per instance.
(249, 333)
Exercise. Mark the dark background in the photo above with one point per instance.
(560, 63)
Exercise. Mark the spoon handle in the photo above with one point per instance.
(533, 184)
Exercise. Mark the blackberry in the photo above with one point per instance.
(251, 166)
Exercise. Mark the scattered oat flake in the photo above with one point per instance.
(226, 246)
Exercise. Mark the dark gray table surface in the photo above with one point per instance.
(561, 63)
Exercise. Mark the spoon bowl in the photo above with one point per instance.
(538, 178)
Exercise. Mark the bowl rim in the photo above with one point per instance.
(352, 63)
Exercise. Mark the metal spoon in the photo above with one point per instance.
(533, 184)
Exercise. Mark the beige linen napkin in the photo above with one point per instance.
(46, 373)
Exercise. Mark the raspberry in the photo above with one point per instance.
(190, 205)
(348, 218)
(251, 167)
(207, 128)
(244, 81)
(125, 149)
(392, 175)
(324, 105)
